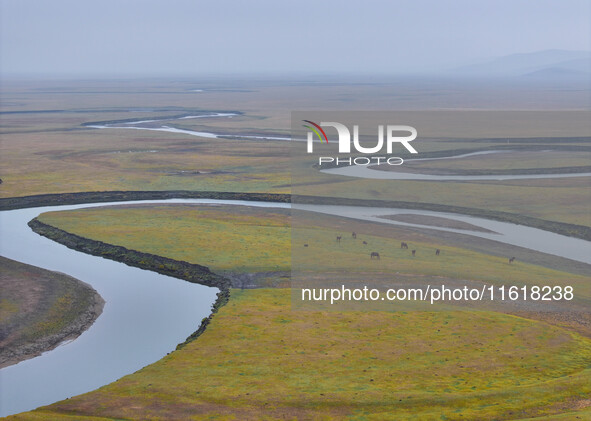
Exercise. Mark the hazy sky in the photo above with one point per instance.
(192, 37)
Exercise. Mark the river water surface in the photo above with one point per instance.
(359, 171)
(147, 314)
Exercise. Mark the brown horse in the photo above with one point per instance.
(365, 243)
(338, 238)
(437, 252)
(374, 254)
(413, 252)
(512, 259)
(403, 245)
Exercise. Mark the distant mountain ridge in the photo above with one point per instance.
(547, 63)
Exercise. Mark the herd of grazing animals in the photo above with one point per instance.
(375, 254)
(403, 245)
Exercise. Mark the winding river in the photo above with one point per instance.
(154, 125)
(147, 314)
(363, 171)
(359, 171)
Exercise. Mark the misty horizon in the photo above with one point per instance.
(67, 38)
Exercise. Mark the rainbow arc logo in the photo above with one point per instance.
(315, 129)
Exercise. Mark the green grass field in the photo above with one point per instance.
(258, 353)
(250, 239)
(258, 360)
(223, 238)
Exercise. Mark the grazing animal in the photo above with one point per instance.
(437, 252)
(511, 259)
(305, 245)
(403, 245)
(375, 254)
(365, 243)
(354, 235)
(413, 252)
(338, 238)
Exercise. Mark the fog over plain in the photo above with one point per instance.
(133, 38)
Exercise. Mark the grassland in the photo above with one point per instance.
(257, 360)
(249, 239)
(46, 148)
(384, 364)
(223, 238)
(39, 309)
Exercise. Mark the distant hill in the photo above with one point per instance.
(556, 72)
(547, 63)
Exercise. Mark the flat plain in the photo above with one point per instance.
(260, 359)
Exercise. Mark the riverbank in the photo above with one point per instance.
(145, 317)
(41, 309)
(258, 359)
(267, 327)
(570, 230)
(194, 273)
(189, 272)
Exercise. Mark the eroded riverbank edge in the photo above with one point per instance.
(37, 318)
(189, 272)
(201, 274)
